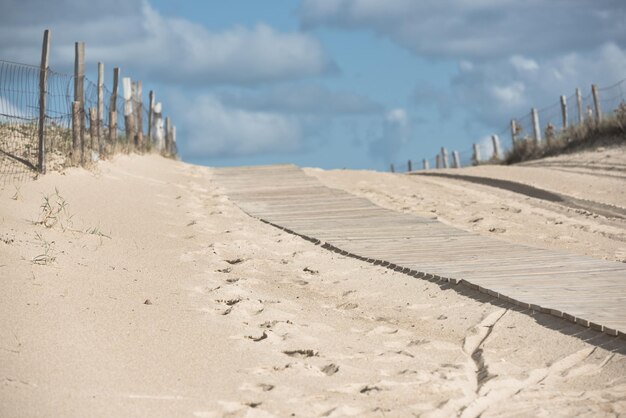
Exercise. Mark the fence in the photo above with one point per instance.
(540, 127)
(50, 120)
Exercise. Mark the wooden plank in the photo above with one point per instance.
(584, 289)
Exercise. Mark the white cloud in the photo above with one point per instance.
(397, 117)
(512, 55)
(302, 99)
(470, 28)
(496, 91)
(147, 44)
(510, 95)
(213, 129)
(396, 134)
(466, 66)
(521, 63)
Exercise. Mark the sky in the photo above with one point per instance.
(333, 83)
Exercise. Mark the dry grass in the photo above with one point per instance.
(54, 211)
(610, 130)
(47, 256)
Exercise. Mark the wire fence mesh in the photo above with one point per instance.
(611, 101)
(20, 118)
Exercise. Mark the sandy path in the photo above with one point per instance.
(598, 175)
(503, 214)
(245, 320)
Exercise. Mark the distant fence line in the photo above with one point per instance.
(540, 127)
(55, 120)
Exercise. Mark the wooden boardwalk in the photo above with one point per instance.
(582, 289)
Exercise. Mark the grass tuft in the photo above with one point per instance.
(54, 211)
(611, 130)
(47, 257)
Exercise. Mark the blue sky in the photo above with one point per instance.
(332, 84)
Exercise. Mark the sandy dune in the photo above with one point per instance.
(595, 176)
(146, 292)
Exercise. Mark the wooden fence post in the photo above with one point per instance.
(579, 105)
(391, 167)
(138, 113)
(113, 108)
(456, 160)
(409, 166)
(564, 111)
(513, 132)
(444, 157)
(476, 156)
(79, 72)
(76, 128)
(93, 132)
(128, 112)
(43, 87)
(425, 164)
(168, 136)
(437, 161)
(150, 118)
(495, 141)
(536, 128)
(79, 92)
(174, 149)
(596, 102)
(116, 78)
(112, 131)
(100, 108)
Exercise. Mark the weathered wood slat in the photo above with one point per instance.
(588, 291)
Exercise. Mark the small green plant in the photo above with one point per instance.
(54, 210)
(47, 256)
(96, 231)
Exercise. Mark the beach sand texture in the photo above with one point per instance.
(142, 290)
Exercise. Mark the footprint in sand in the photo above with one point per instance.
(367, 389)
(230, 303)
(330, 369)
(415, 343)
(271, 324)
(258, 338)
(301, 353)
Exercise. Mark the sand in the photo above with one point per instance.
(594, 176)
(141, 290)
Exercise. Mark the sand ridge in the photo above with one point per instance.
(246, 320)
